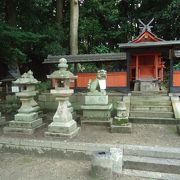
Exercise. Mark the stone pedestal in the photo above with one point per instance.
(27, 120)
(96, 110)
(63, 124)
(2, 120)
(120, 123)
(146, 85)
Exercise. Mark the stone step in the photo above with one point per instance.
(155, 98)
(151, 114)
(152, 164)
(151, 120)
(151, 103)
(150, 151)
(149, 93)
(152, 108)
(149, 175)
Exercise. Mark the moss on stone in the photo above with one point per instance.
(120, 121)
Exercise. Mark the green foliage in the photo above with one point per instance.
(102, 25)
(15, 44)
(44, 86)
(100, 49)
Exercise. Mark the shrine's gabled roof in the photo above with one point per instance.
(146, 36)
(174, 43)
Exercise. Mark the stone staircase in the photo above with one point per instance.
(151, 163)
(152, 109)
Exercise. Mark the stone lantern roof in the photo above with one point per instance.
(62, 73)
(27, 79)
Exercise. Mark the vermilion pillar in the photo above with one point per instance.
(137, 67)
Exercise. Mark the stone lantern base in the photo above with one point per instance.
(24, 124)
(62, 129)
(2, 120)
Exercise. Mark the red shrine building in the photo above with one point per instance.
(143, 61)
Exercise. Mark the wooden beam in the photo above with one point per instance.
(85, 58)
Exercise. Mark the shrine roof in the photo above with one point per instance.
(87, 57)
(174, 43)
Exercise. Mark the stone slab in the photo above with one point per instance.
(62, 127)
(95, 114)
(101, 166)
(30, 131)
(56, 134)
(124, 128)
(25, 124)
(152, 164)
(149, 86)
(96, 100)
(26, 117)
(117, 159)
(96, 122)
(176, 106)
(95, 107)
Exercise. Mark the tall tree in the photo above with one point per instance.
(74, 19)
(59, 11)
(11, 12)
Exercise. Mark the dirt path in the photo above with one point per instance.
(25, 167)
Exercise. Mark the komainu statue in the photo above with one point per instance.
(98, 86)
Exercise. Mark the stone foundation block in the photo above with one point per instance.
(62, 127)
(2, 121)
(97, 111)
(96, 100)
(23, 124)
(59, 134)
(26, 131)
(101, 167)
(117, 159)
(26, 117)
(124, 128)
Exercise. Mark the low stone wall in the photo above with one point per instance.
(47, 102)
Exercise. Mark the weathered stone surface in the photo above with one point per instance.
(63, 123)
(27, 120)
(96, 100)
(176, 106)
(23, 124)
(63, 127)
(61, 134)
(124, 128)
(2, 120)
(101, 167)
(26, 117)
(117, 159)
(149, 86)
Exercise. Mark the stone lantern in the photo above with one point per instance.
(63, 123)
(27, 120)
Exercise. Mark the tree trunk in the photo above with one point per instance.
(11, 12)
(59, 11)
(74, 18)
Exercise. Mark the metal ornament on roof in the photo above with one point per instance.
(145, 27)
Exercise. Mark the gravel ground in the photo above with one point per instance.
(142, 134)
(24, 167)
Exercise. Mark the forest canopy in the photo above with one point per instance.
(30, 30)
